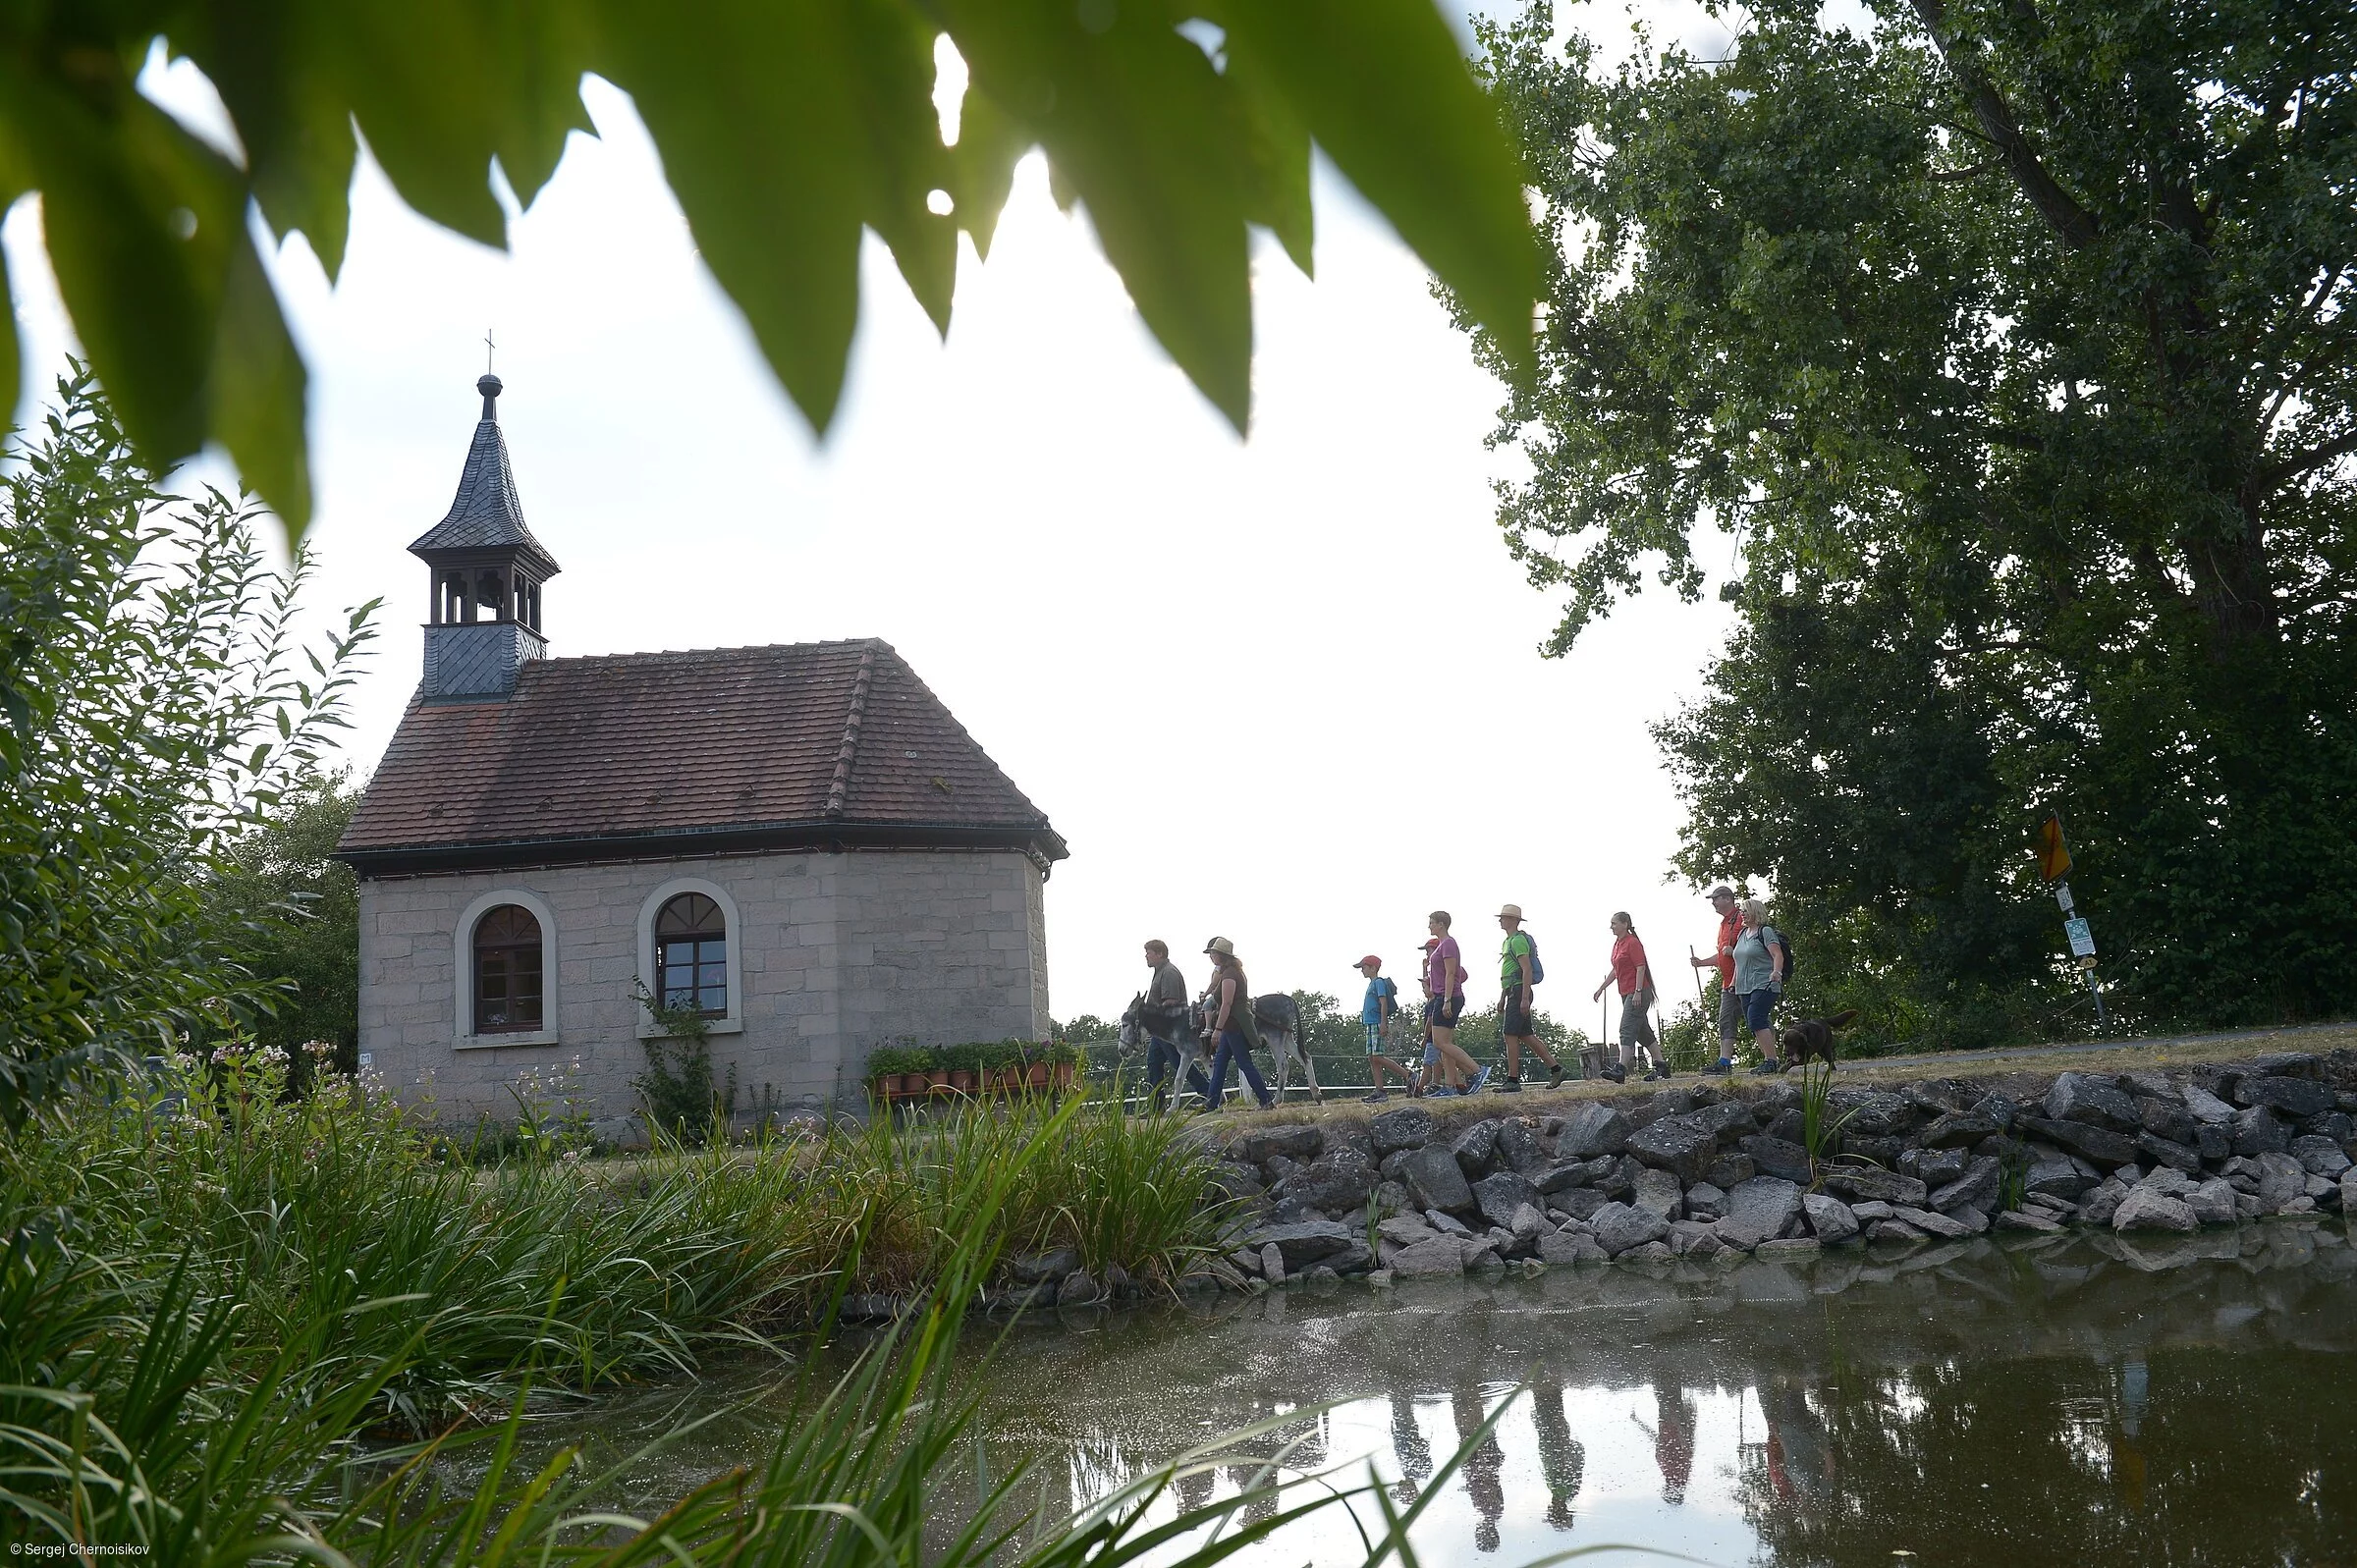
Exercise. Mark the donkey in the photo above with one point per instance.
(1280, 1021)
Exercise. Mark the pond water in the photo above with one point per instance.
(2080, 1401)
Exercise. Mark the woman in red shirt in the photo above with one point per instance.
(1635, 976)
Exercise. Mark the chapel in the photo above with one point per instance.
(799, 840)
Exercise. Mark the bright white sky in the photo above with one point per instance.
(1285, 690)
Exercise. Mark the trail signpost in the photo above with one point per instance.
(2054, 859)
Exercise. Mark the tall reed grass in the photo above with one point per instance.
(206, 1316)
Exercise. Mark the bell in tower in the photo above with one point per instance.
(487, 575)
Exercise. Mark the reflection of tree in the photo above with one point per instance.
(2032, 1461)
(1561, 1455)
(1482, 1467)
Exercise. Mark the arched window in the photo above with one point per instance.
(692, 956)
(507, 971)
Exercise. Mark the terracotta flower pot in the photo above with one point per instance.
(1006, 1080)
(937, 1082)
(962, 1081)
(907, 1084)
(1036, 1075)
(1064, 1075)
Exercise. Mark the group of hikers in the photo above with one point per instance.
(1751, 957)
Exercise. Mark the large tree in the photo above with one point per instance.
(2009, 341)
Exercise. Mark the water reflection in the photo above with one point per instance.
(2077, 1401)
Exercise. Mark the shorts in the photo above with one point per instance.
(1511, 1019)
(1635, 1028)
(1759, 1007)
(1443, 1012)
(1731, 1015)
(1377, 1043)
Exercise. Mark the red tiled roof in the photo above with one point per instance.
(798, 745)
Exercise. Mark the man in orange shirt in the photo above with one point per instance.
(1723, 959)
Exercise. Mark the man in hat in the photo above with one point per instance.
(1517, 973)
(1723, 959)
(1380, 1013)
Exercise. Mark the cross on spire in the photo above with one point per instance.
(489, 347)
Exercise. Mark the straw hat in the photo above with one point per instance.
(1221, 946)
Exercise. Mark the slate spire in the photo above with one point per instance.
(486, 515)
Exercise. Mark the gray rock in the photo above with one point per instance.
(1518, 1146)
(1395, 1131)
(1705, 1247)
(1882, 1152)
(2258, 1131)
(1620, 1183)
(1894, 1231)
(1976, 1188)
(1433, 1180)
(2100, 1145)
(1758, 1211)
(2103, 1202)
(1562, 1178)
(1999, 1108)
(1579, 1203)
(1789, 1125)
(1595, 1128)
(1336, 1183)
(1866, 1183)
(1934, 1168)
(1272, 1263)
(1441, 1255)
(1246, 1260)
(2319, 1156)
(1570, 1247)
(1080, 1289)
(1498, 1194)
(1726, 1118)
(2025, 1219)
(1043, 1267)
(1478, 1252)
(2282, 1178)
(2149, 1208)
(1231, 1180)
(1405, 1229)
(1706, 1202)
(1321, 1276)
(2166, 1118)
(1831, 1219)
(1476, 1149)
(1293, 1143)
(2091, 1102)
(1528, 1222)
(1658, 1191)
(2212, 1203)
(1933, 1224)
(1869, 1211)
(2176, 1155)
(2205, 1105)
(1680, 1145)
(1958, 1129)
(2294, 1097)
(1304, 1243)
(1729, 1168)
(2057, 1175)
(2214, 1141)
(1392, 1198)
(1789, 1246)
(2168, 1181)
(1772, 1156)
(1618, 1227)
(1356, 1259)
(1447, 1225)
(1872, 1113)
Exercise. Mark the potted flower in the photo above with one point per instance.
(1066, 1058)
(1039, 1065)
(999, 1073)
(887, 1071)
(965, 1064)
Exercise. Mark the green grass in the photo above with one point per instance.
(261, 1331)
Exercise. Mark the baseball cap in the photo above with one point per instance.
(1370, 958)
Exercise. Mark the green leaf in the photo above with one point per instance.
(891, 49)
(989, 143)
(766, 154)
(1276, 144)
(1136, 122)
(1384, 90)
(12, 356)
(258, 407)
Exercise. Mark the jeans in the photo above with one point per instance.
(1161, 1060)
(1232, 1046)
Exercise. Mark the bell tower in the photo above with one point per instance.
(488, 570)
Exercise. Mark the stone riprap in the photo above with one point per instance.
(1714, 1171)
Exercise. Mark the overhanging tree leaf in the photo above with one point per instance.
(785, 130)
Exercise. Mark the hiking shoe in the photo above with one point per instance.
(1655, 1076)
(1480, 1081)
(1718, 1069)
(1440, 1091)
(1767, 1069)
(1615, 1074)
(1375, 1099)
(1554, 1076)
(1506, 1085)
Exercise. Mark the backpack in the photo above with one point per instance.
(1387, 998)
(1786, 946)
(1538, 970)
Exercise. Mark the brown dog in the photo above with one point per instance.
(1813, 1036)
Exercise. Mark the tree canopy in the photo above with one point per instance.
(786, 131)
(2010, 343)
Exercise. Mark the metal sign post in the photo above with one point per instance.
(2054, 859)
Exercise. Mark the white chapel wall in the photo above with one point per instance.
(830, 956)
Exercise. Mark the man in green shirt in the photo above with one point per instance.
(1517, 973)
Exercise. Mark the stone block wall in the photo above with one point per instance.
(831, 955)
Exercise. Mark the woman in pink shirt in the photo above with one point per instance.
(1635, 976)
